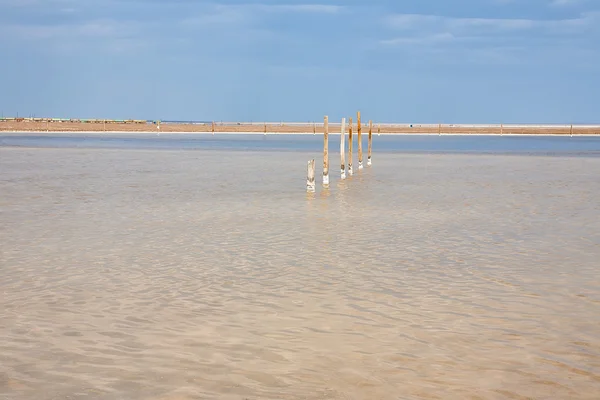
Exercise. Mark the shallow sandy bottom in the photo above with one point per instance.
(212, 275)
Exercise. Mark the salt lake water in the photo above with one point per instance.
(199, 268)
(282, 142)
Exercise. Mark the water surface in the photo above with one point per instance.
(578, 145)
(173, 274)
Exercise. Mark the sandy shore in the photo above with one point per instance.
(294, 128)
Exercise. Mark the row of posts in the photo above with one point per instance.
(310, 180)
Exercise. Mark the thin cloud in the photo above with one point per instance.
(218, 16)
(237, 15)
(428, 39)
(257, 8)
(494, 40)
(435, 29)
(90, 29)
(563, 3)
(418, 21)
(34, 3)
(100, 35)
(302, 8)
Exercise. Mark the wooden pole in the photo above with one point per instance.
(265, 128)
(47, 125)
(104, 124)
(326, 152)
(439, 129)
(501, 129)
(378, 129)
(370, 148)
(350, 144)
(359, 139)
(212, 127)
(571, 130)
(310, 176)
(314, 129)
(343, 149)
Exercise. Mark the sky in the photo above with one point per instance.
(425, 61)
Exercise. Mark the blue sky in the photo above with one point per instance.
(431, 61)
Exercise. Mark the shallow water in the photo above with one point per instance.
(143, 274)
(548, 145)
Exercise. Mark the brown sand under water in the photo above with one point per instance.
(131, 274)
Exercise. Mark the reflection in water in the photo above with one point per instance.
(173, 275)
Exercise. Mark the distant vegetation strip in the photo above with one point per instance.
(73, 120)
(18, 124)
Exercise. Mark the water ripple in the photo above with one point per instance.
(212, 275)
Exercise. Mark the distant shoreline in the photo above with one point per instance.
(114, 127)
(291, 133)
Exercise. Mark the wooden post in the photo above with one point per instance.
(314, 129)
(501, 129)
(350, 144)
(47, 126)
(343, 149)
(370, 148)
(104, 124)
(265, 130)
(378, 129)
(439, 129)
(310, 176)
(212, 127)
(571, 130)
(359, 139)
(326, 152)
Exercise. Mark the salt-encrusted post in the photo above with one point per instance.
(343, 149)
(378, 129)
(212, 127)
(501, 129)
(310, 176)
(326, 152)
(370, 148)
(47, 125)
(571, 130)
(439, 129)
(104, 124)
(314, 129)
(359, 139)
(350, 144)
(265, 130)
